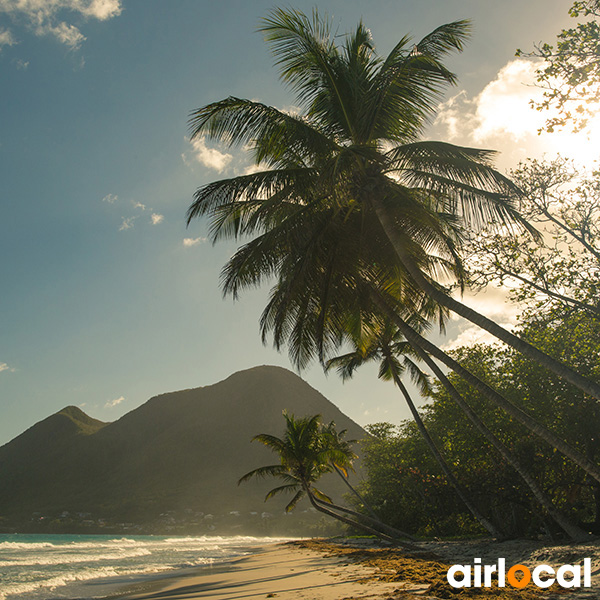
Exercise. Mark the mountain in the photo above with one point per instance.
(180, 453)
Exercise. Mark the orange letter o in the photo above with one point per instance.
(510, 576)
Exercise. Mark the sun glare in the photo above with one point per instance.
(502, 117)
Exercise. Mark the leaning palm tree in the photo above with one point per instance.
(385, 345)
(305, 455)
(356, 145)
(343, 447)
(329, 173)
(313, 309)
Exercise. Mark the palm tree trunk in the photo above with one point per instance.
(573, 531)
(491, 528)
(415, 338)
(391, 231)
(355, 492)
(392, 531)
(356, 524)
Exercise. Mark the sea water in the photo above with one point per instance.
(44, 567)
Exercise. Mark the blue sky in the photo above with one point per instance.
(104, 303)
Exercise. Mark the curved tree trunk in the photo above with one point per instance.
(486, 523)
(355, 492)
(357, 525)
(377, 523)
(566, 373)
(551, 438)
(572, 530)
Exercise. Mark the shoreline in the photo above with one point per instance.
(316, 569)
(156, 582)
(285, 571)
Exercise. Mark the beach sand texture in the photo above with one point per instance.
(281, 572)
(319, 570)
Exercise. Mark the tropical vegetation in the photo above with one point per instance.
(363, 225)
(307, 451)
(409, 489)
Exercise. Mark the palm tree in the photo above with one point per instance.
(386, 345)
(356, 147)
(317, 205)
(305, 455)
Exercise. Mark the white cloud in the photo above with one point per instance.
(101, 9)
(127, 223)
(5, 367)
(470, 336)
(491, 302)
(250, 170)
(115, 402)
(63, 32)
(6, 38)
(503, 107)
(22, 64)
(189, 242)
(209, 157)
(451, 114)
(42, 16)
(501, 117)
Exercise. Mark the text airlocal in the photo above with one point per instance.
(478, 575)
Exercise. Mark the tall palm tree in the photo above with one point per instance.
(356, 147)
(387, 346)
(305, 455)
(315, 208)
(314, 310)
(332, 170)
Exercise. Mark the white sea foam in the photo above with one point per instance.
(64, 559)
(32, 566)
(66, 578)
(26, 545)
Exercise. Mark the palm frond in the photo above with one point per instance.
(292, 503)
(282, 489)
(273, 135)
(262, 472)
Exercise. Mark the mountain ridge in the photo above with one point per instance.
(179, 451)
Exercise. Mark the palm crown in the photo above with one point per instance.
(356, 140)
(306, 452)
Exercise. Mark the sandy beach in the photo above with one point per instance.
(322, 570)
(285, 572)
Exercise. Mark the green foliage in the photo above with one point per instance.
(311, 210)
(561, 270)
(406, 485)
(307, 451)
(571, 73)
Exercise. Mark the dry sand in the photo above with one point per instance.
(281, 572)
(351, 570)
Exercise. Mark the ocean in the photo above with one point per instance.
(45, 567)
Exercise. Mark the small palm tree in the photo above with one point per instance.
(303, 459)
(306, 453)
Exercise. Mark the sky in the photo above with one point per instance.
(106, 297)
